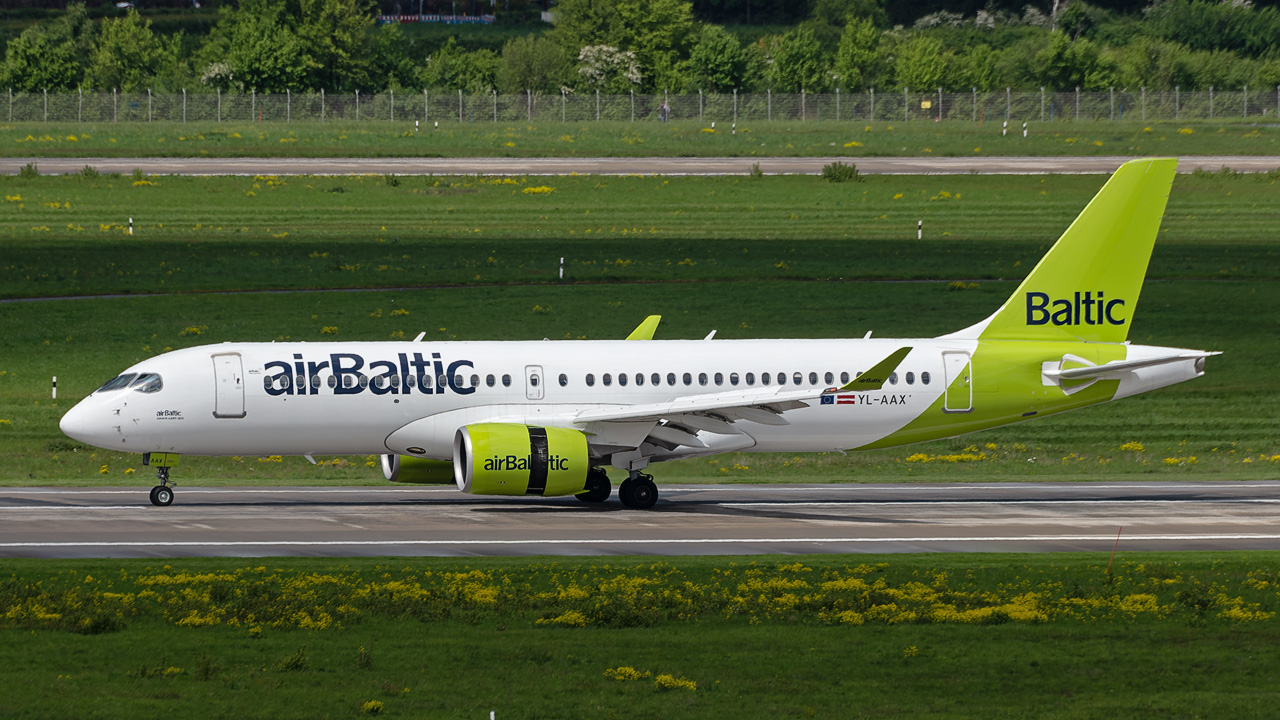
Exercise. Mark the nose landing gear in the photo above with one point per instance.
(162, 494)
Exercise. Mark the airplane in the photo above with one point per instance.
(550, 418)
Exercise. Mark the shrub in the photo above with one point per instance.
(89, 172)
(28, 171)
(840, 172)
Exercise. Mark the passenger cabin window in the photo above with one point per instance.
(475, 381)
(751, 378)
(656, 379)
(671, 378)
(797, 379)
(118, 382)
(829, 378)
(639, 378)
(844, 378)
(564, 380)
(622, 379)
(426, 382)
(782, 378)
(733, 378)
(764, 378)
(591, 380)
(911, 378)
(813, 378)
(893, 378)
(688, 379)
(924, 378)
(607, 379)
(506, 381)
(489, 380)
(147, 383)
(702, 378)
(719, 378)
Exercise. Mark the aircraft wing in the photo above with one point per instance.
(677, 422)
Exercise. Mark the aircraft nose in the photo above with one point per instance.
(73, 423)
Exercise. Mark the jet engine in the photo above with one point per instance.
(419, 471)
(512, 459)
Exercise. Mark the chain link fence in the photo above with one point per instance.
(458, 107)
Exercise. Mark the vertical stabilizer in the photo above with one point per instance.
(1086, 287)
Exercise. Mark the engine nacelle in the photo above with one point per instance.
(511, 459)
(419, 471)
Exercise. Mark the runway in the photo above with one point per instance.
(624, 166)
(689, 519)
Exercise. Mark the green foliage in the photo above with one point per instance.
(533, 63)
(798, 63)
(840, 12)
(858, 58)
(718, 62)
(256, 48)
(838, 172)
(127, 55)
(454, 68)
(1233, 26)
(49, 56)
(924, 64)
(29, 171)
(1065, 64)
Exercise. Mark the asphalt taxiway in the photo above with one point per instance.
(689, 519)
(625, 165)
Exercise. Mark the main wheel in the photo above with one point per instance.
(644, 495)
(598, 487)
(161, 496)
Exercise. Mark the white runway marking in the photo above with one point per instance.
(648, 541)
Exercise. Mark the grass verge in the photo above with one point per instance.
(683, 138)
(946, 636)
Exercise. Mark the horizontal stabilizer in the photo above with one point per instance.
(1119, 367)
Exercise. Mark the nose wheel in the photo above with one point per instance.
(162, 494)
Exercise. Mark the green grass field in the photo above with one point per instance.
(683, 138)
(1166, 635)
(476, 259)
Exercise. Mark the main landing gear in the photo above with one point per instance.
(638, 492)
(162, 494)
(598, 487)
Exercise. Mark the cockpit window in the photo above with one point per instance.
(147, 383)
(117, 383)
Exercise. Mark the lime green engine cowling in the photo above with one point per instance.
(510, 459)
(419, 471)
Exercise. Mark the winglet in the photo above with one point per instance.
(877, 376)
(646, 329)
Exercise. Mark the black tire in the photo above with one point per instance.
(624, 492)
(644, 494)
(161, 496)
(598, 487)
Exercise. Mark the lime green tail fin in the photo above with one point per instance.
(1086, 287)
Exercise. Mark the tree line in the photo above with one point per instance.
(617, 46)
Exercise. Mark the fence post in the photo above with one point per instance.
(597, 104)
(288, 106)
(837, 103)
(974, 90)
(872, 116)
(115, 106)
(802, 107)
(113, 92)
(939, 104)
(699, 105)
(80, 106)
(10, 104)
(1177, 102)
(1077, 103)
(1144, 103)
(184, 106)
(1246, 102)
(253, 104)
(1008, 105)
(1210, 102)
(1041, 103)
(393, 104)
(426, 105)
(633, 106)
(564, 100)
(495, 106)
(905, 103)
(148, 104)
(46, 104)
(735, 105)
(358, 105)
(460, 106)
(770, 107)
(321, 104)
(1112, 91)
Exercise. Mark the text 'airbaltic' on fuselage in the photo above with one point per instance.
(384, 377)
